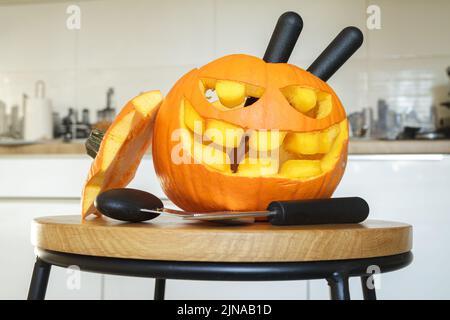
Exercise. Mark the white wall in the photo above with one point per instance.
(137, 45)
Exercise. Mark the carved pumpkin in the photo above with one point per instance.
(294, 136)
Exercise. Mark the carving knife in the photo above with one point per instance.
(135, 205)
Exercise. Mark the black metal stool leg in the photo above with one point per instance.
(368, 294)
(160, 289)
(339, 289)
(39, 280)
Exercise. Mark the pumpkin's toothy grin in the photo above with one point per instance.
(268, 153)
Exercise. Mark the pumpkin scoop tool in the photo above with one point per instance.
(135, 206)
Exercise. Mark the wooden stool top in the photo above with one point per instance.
(171, 239)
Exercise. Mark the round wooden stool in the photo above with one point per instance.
(168, 248)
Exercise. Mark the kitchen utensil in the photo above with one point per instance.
(69, 125)
(430, 135)
(135, 205)
(356, 120)
(58, 128)
(85, 118)
(108, 113)
(16, 127)
(284, 37)
(368, 122)
(282, 42)
(38, 118)
(409, 132)
(346, 43)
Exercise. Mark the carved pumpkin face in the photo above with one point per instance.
(292, 138)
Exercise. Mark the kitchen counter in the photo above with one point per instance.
(355, 147)
(399, 147)
(52, 147)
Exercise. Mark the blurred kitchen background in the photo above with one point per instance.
(397, 80)
(57, 82)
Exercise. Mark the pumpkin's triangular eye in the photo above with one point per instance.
(311, 102)
(226, 95)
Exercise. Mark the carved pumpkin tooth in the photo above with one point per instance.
(223, 133)
(329, 160)
(302, 143)
(265, 140)
(302, 99)
(231, 94)
(205, 154)
(255, 167)
(325, 105)
(192, 119)
(327, 138)
(213, 157)
(301, 169)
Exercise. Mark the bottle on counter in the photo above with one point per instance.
(106, 116)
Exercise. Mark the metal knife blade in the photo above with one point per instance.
(227, 215)
(211, 216)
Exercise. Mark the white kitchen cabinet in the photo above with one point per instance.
(17, 256)
(410, 189)
(59, 176)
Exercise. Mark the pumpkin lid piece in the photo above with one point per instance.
(122, 148)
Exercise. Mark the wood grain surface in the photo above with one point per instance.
(355, 147)
(173, 239)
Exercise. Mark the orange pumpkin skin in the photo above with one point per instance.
(194, 186)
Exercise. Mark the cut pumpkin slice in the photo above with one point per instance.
(122, 149)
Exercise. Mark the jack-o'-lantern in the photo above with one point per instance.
(290, 142)
(236, 133)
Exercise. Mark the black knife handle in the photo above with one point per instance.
(282, 42)
(321, 211)
(284, 38)
(346, 43)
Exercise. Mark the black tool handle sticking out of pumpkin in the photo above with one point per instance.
(284, 37)
(282, 42)
(346, 43)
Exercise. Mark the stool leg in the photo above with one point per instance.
(368, 294)
(39, 280)
(160, 289)
(339, 289)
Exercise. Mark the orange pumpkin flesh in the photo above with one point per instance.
(122, 148)
(297, 133)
